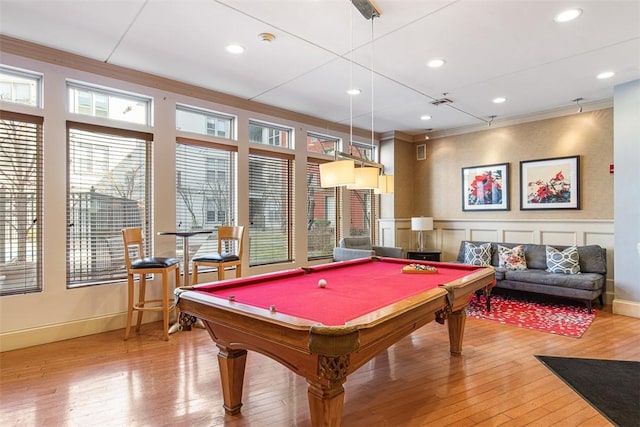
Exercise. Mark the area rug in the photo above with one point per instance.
(610, 386)
(570, 320)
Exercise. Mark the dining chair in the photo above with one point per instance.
(229, 253)
(138, 263)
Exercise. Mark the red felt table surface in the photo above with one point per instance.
(353, 289)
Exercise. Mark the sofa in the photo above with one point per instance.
(360, 247)
(585, 285)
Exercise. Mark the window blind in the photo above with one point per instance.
(271, 196)
(321, 216)
(21, 197)
(205, 193)
(108, 189)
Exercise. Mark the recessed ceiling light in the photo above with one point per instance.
(568, 15)
(234, 48)
(435, 63)
(499, 100)
(425, 117)
(606, 75)
(354, 91)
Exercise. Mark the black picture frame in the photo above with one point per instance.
(552, 183)
(486, 187)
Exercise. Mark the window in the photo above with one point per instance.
(108, 103)
(204, 122)
(362, 151)
(363, 213)
(202, 200)
(321, 216)
(20, 87)
(108, 189)
(261, 133)
(20, 203)
(317, 143)
(270, 209)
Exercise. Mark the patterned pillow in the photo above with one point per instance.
(512, 259)
(477, 254)
(564, 262)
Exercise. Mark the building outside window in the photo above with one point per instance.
(20, 87)
(108, 103)
(205, 122)
(322, 144)
(268, 134)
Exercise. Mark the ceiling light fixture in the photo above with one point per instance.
(499, 100)
(605, 75)
(436, 63)
(425, 117)
(353, 92)
(577, 101)
(568, 15)
(234, 48)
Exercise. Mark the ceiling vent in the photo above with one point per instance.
(441, 101)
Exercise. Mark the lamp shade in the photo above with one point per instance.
(385, 184)
(366, 178)
(421, 223)
(338, 173)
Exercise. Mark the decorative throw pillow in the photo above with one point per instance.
(512, 258)
(564, 262)
(477, 254)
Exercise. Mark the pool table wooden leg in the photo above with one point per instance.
(232, 364)
(455, 323)
(325, 404)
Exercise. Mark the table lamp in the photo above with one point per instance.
(421, 224)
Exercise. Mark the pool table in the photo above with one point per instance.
(324, 333)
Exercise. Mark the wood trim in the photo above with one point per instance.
(146, 136)
(206, 144)
(11, 115)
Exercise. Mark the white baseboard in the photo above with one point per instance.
(63, 331)
(626, 308)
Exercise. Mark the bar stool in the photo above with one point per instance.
(142, 266)
(229, 253)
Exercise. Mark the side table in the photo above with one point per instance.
(424, 255)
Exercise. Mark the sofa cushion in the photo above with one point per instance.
(512, 258)
(566, 261)
(587, 281)
(477, 254)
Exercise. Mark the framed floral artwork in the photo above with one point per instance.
(550, 183)
(485, 188)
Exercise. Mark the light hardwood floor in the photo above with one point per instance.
(101, 380)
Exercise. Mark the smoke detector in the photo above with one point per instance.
(266, 37)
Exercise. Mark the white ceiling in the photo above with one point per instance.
(510, 48)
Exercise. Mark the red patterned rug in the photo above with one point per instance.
(560, 318)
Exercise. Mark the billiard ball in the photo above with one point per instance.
(322, 283)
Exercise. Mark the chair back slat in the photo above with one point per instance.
(230, 239)
(133, 245)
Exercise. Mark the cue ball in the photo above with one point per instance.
(322, 283)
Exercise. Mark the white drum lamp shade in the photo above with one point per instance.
(337, 174)
(421, 224)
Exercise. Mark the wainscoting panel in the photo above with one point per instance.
(519, 236)
(484, 235)
(560, 238)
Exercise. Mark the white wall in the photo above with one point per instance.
(627, 195)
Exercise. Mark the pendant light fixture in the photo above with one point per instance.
(344, 172)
